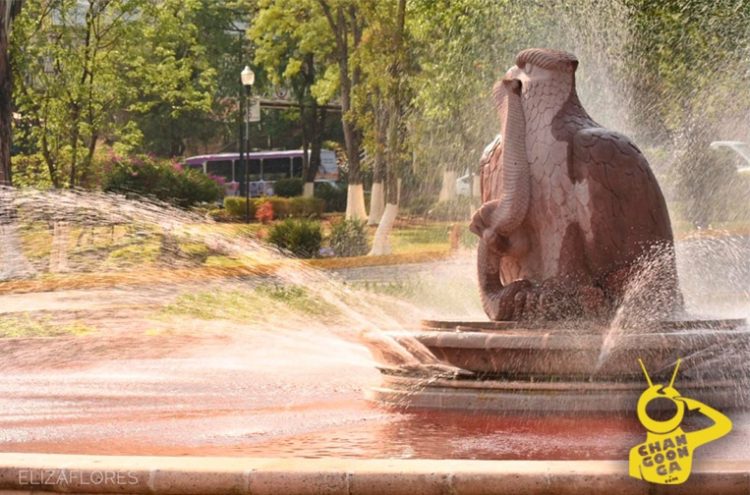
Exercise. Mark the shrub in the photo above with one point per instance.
(288, 188)
(235, 207)
(280, 205)
(219, 215)
(163, 180)
(301, 207)
(264, 212)
(30, 171)
(457, 209)
(349, 238)
(334, 197)
(300, 237)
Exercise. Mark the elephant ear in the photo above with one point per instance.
(621, 185)
(620, 201)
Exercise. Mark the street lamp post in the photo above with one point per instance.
(247, 77)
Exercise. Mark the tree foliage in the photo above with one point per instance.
(134, 73)
(157, 75)
(295, 48)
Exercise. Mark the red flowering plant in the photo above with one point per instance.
(264, 212)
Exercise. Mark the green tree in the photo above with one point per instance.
(70, 57)
(133, 73)
(687, 66)
(346, 23)
(188, 68)
(389, 27)
(170, 74)
(462, 47)
(292, 45)
(331, 32)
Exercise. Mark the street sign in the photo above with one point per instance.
(253, 110)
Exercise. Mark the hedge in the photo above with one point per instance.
(163, 180)
(298, 207)
(301, 207)
(288, 188)
(235, 206)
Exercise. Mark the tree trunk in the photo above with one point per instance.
(316, 141)
(7, 12)
(316, 146)
(303, 113)
(377, 203)
(13, 262)
(58, 258)
(74, 146)
(344, 24)
(381, 244)
(308, 190)
(355, 202)
(476, 186)
(448, 189)
(377, 195)
(51, 165)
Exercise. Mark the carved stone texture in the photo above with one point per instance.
(573, 224)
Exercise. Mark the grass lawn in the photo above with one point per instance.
(408, 236)
(414, 237)
(26, 325)
(249, 305)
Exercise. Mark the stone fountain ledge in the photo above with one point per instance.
(26, 473)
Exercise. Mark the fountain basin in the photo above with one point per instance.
(516, 368)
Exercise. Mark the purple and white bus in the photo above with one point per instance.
(266, 167)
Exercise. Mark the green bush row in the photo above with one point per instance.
(166, 181)
(298, 207)
(302, 238)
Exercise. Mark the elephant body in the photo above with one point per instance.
(592, 232)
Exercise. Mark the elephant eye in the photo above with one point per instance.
(527, 69)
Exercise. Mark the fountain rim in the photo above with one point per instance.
(162, 475)
(664, 326)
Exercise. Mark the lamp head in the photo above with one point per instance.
(247, 76)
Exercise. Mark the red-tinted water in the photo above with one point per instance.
(260, 395)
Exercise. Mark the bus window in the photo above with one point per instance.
(220, 168)
(240, 174)
(240, 171)
(297, 166)
(275, 168)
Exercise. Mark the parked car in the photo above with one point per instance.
(740, 147)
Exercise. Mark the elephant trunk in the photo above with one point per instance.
(490, 286)
(516, 175)
(513, 203)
